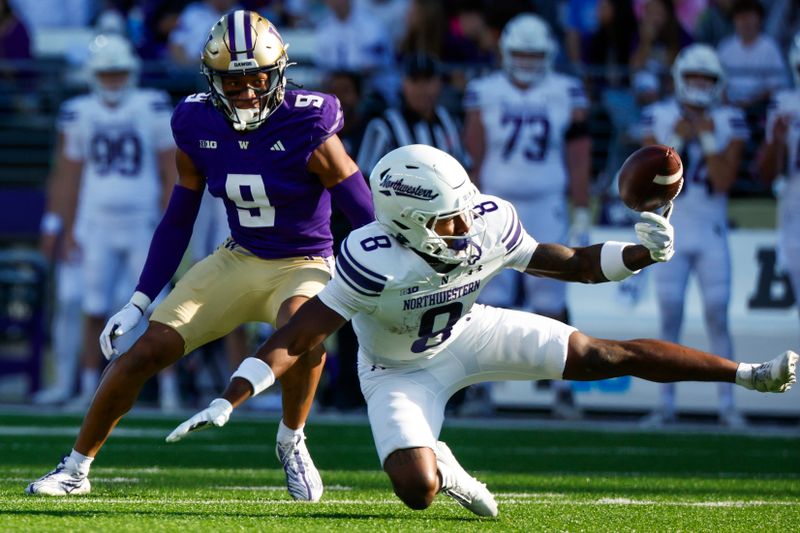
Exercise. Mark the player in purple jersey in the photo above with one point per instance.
(274, 159)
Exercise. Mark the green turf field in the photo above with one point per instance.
(545, 479)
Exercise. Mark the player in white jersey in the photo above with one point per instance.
(116, 160)
(781, 157)
(410, 281)
(527, 135)
(710, 138)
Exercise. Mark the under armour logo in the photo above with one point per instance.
(376, 367)
(278, 147)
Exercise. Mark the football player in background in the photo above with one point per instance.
(780, 159)
(114, 168)
(272, 155)
(710, 138)
(410, 281)
(526, 132)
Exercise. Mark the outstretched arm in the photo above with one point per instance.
(311, 325)
(582, 264)
(609, 261)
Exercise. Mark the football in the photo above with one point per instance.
(650, 178)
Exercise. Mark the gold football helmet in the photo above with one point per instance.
(243, 43)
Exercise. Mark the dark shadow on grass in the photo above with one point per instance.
(267, 514)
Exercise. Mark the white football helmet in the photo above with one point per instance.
(416, 185)
(112, 53)
(527, 34)
(698, 59)
(794, 60)
(243, 43)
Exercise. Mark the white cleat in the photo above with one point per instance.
(63, 481)
(302, 477)
(468, 491)
(777, 375)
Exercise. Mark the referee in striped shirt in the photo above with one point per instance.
(419, 120)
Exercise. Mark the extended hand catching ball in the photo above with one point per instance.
(650, 178)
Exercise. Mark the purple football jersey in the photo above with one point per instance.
(276, 208)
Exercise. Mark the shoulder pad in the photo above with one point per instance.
(359, 261)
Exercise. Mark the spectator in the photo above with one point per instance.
(660, 38)
(607, 51)
(425, 29)
(469, 48)
(753, 61)
(688, 11)
(389, 13)
(347, 86)
(15, 41)
(581, 22)
(348, 38)
(41, 15)
(15, 46)
(160, 19)
(783, 21)
(189, 36)
(715, 22)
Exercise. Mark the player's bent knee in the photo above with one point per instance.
(413, 483)
(589, 358)
(157, 348)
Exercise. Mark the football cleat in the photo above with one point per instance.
(302, 477)
(777, 375)
(64, 480)
(466, 490)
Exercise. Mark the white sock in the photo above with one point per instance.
(167, 385)
(744, 375)
(287, 434)
(90, 379)
(82, 462)
(447, 475)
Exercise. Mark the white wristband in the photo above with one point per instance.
(677, 143)
(51, 223)
(140, 300)
(611, 262)
(257, 372)
(708, 143)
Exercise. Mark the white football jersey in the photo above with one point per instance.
(524, 130)
(696, 201)
(402, 310)
(787, 103)
(119, 148)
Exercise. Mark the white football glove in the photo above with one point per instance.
(579, 229)
(657, 235)
(216, 414)
(119, 324)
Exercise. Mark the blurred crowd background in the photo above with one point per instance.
(360, 50)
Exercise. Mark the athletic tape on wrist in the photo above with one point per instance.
(708, 143)
(611, 262)
(140, 300)
(257, 372)
(51, 223)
